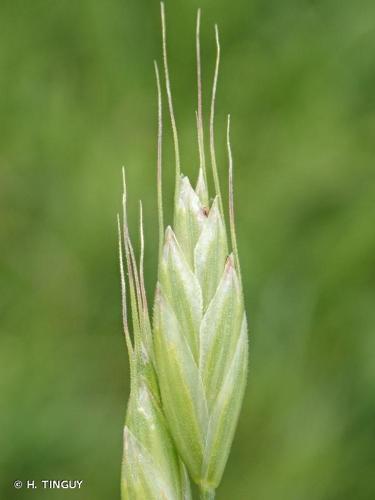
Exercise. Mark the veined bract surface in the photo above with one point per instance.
(188, 373)
(200, 328)
(200, 336)
(151, 467)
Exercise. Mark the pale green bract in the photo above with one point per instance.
(189, 370)
(151, 468)
(200, 337)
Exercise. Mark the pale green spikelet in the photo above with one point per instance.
(151, 468)
(199, 325)
(188, 372)
(200, 338)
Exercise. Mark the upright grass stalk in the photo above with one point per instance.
(189, 368)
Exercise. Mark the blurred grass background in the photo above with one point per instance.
(77, 101)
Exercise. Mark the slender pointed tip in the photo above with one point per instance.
(166, 249)
(187, 196)
(169, 234)
(217, 37)
(229, 263)
(123, 179)
(162, 15)
(169, 242)
(170, 103)
(185, 182)
(228, 143)
(215, 207)
(183, 185)
(141, 222)
(231, 272)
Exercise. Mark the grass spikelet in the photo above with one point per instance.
(189, 368)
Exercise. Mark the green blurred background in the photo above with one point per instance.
(77, 101)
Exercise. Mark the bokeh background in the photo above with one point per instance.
(78, 101)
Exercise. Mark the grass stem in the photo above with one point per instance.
(207, 494)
